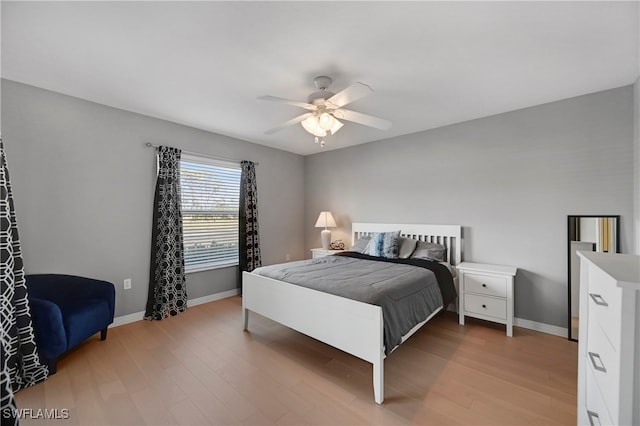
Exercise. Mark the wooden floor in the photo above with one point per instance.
(200, 368)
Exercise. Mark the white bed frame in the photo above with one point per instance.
(352, 326)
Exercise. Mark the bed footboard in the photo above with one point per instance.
(346, 324)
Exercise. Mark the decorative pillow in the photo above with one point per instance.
(407, 247)
(361, 245)
(385, 244)
(425, 250)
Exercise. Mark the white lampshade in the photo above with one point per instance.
(325, 220)
(336, 126)
(326, 121)
(312, 126)
(321, 125)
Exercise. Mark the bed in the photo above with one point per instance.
(349, 325)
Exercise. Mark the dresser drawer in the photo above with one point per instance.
(484, 305)
(605, 301)
(485, 284)
(596, 408)
(597, 412)
(604, 363)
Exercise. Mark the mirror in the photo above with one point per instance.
(587, 233)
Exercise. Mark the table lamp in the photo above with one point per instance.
(325, 220)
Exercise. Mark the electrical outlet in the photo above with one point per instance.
(287, 257)
(127, 284)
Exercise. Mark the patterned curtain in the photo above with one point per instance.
(20, 361)
(167, 284)
(249, 244)
(8, 404)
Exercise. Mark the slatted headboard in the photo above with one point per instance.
(449, 236)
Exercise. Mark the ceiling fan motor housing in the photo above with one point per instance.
(321, 82)
(319, 97)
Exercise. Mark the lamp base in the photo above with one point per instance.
(326, 238)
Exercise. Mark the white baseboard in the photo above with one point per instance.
(126, 319)
(139, 316)
(531, 325)
(213, 297)
(540, 326)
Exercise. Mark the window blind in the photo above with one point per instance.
(210, 200)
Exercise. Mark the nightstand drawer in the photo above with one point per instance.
(485, 284)
(484, 305)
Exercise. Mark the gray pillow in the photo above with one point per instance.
(361, 245)
(425, 250)
(385, 244)
(407, 246)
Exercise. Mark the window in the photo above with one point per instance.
(210, 200)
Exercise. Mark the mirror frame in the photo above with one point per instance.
(617, 250)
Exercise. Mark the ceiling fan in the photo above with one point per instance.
(325, 110)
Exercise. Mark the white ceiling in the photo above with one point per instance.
(430, 64)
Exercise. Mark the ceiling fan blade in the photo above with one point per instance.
(350, 94)
(360, 118)
(291, 122)
(304, 105)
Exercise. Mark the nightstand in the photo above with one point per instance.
(486, 292)
(320, 252)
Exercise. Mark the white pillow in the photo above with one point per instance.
(407, 246)
(426, 250)
(361, 246)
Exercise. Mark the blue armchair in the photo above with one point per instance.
(66, 310)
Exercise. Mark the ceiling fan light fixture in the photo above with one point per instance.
(326, 121)
(321, 125)
(336, 126)
(311, 124)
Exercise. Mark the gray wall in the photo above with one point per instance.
(510, 180)
(83, 184)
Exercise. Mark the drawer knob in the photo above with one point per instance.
(484, 306)
(597, 362)
(484, 285)
(594, 419)
(598, 299)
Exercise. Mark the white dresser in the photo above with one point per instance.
(609, 339)
(486, 292)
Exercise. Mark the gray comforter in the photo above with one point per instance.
(407, 294)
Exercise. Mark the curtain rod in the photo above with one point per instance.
(150, 145)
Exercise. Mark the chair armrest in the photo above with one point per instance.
(59, 288)
(48, 327)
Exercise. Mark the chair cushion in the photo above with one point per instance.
(83, 318)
